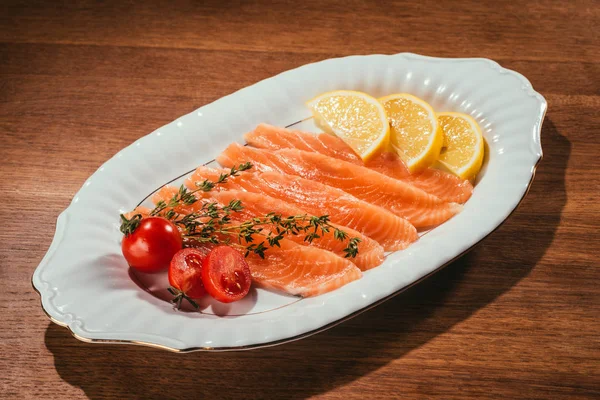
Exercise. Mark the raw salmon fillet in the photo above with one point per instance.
(292, 268)
(390, 231)
(370, 253)
(301, 270)
(439, 183)
(418, 207)
(143, 211)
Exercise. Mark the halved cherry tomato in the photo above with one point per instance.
(152, 245)
(226, 274)
(185, 272)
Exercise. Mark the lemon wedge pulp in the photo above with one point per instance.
(415, 133)
(355, 117)
(463, 144)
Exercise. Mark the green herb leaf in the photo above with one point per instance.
(128, 226)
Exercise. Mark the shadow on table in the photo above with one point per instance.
(344, 353)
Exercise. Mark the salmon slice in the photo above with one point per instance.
(434, 181)
(390, 231)
(301, 270)
(370, 253)
(143, 211)
(420, 208)
(292, 268)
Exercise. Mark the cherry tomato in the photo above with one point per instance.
(152, 245)
(226, 275)
(185, 272)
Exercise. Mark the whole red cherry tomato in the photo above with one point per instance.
(151, 245)
(226, 274)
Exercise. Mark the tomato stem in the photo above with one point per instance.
(179, 296)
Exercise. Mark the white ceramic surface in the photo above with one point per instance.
(85, 284)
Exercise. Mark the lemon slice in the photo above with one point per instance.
(355, 117)
(463, 149)
(415, 134)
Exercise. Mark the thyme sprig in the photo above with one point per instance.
(130, 225)
(274, 227)
(182, 197)
(187, 197)
(212, 223)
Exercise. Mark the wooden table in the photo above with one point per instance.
(518, 317)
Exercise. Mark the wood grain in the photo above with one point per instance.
(518, 317)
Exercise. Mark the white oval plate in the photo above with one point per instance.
(84, 282)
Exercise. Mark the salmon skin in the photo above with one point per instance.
(389, 230)
(291, 268)
(418, 207)
(439, 183)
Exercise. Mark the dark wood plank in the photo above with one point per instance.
(518, 317)
(534, 30)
